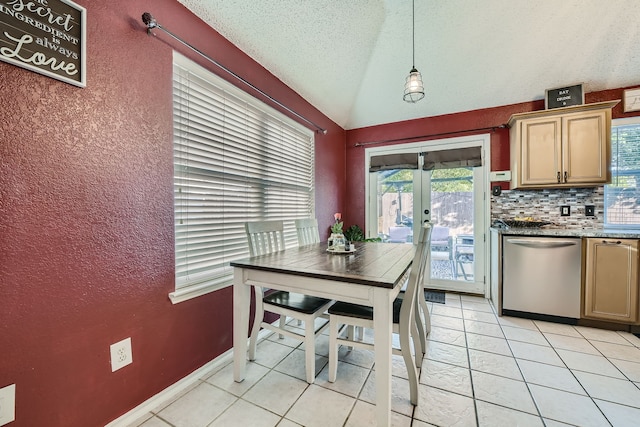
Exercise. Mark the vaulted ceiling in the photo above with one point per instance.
(350, 58)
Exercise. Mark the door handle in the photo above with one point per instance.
(565, 176)
(558, 176)
(539, 243)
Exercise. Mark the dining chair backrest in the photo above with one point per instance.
(264, 237)
(307, 230)
(418, 268)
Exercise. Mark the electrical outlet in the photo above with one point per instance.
(589, 210)
(7, 404)
(121, 355)
(565, 210)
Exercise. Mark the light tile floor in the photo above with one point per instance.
(480, 370)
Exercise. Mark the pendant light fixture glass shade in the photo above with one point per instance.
(413, 87)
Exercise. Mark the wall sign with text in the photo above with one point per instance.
(45, 36)
(564, 97)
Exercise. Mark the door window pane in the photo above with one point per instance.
(395, 205)
(452, 208)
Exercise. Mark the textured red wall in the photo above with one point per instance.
(440, 127)
(86, 229)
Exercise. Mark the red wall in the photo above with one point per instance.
(86, 220)
(439, 127)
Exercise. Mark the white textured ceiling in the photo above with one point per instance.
(349, 58)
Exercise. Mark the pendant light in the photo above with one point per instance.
(413, 87)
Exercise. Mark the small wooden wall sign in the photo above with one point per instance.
(45, 36)
(564, 97)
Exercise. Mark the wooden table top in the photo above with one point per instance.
(373, 264)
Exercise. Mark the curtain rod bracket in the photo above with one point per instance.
(150, 22)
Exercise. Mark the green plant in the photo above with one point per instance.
(355, 234)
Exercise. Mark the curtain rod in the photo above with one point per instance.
(151, 23)
(410, 138)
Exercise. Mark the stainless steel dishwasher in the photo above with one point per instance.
(542, 275)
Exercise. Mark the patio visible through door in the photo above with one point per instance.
(445, 185)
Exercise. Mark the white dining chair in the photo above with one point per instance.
(307, 230)
(343, 316)
(265, 237)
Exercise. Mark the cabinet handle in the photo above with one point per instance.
(558, 176)
(611, 243)
(565, 176)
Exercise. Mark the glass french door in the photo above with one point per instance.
(452, 200)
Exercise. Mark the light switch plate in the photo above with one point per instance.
(565, 210)
(589, 210)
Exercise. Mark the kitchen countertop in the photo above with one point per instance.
(569, 232)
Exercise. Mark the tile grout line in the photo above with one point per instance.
(526, 383)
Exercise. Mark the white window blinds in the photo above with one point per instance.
(235, 160)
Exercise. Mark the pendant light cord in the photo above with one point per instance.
(413, 36)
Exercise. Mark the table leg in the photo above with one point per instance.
(382, 329)
(241, 308)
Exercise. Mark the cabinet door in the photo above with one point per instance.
(540, 150)
(611, 280)
(585, 148)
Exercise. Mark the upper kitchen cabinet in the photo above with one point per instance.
(562, 147)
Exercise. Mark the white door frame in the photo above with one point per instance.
(483, 140)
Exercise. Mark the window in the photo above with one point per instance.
(235, 160)
(621, 197)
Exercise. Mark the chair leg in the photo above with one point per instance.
(404, 328)
(282, 324)
(427, 318)
(417, 338)
(310, 350)
(420, 330)
(257, 321)
(333, 349)
(352, 333)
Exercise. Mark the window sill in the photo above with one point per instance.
(194, 291)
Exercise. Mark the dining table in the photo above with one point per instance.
(371, 275)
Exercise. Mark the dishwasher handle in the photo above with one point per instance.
(537, 243)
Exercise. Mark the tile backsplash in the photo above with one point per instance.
(544, 205)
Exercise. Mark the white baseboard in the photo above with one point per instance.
(137, 413)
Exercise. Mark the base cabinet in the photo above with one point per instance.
(611, 280)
